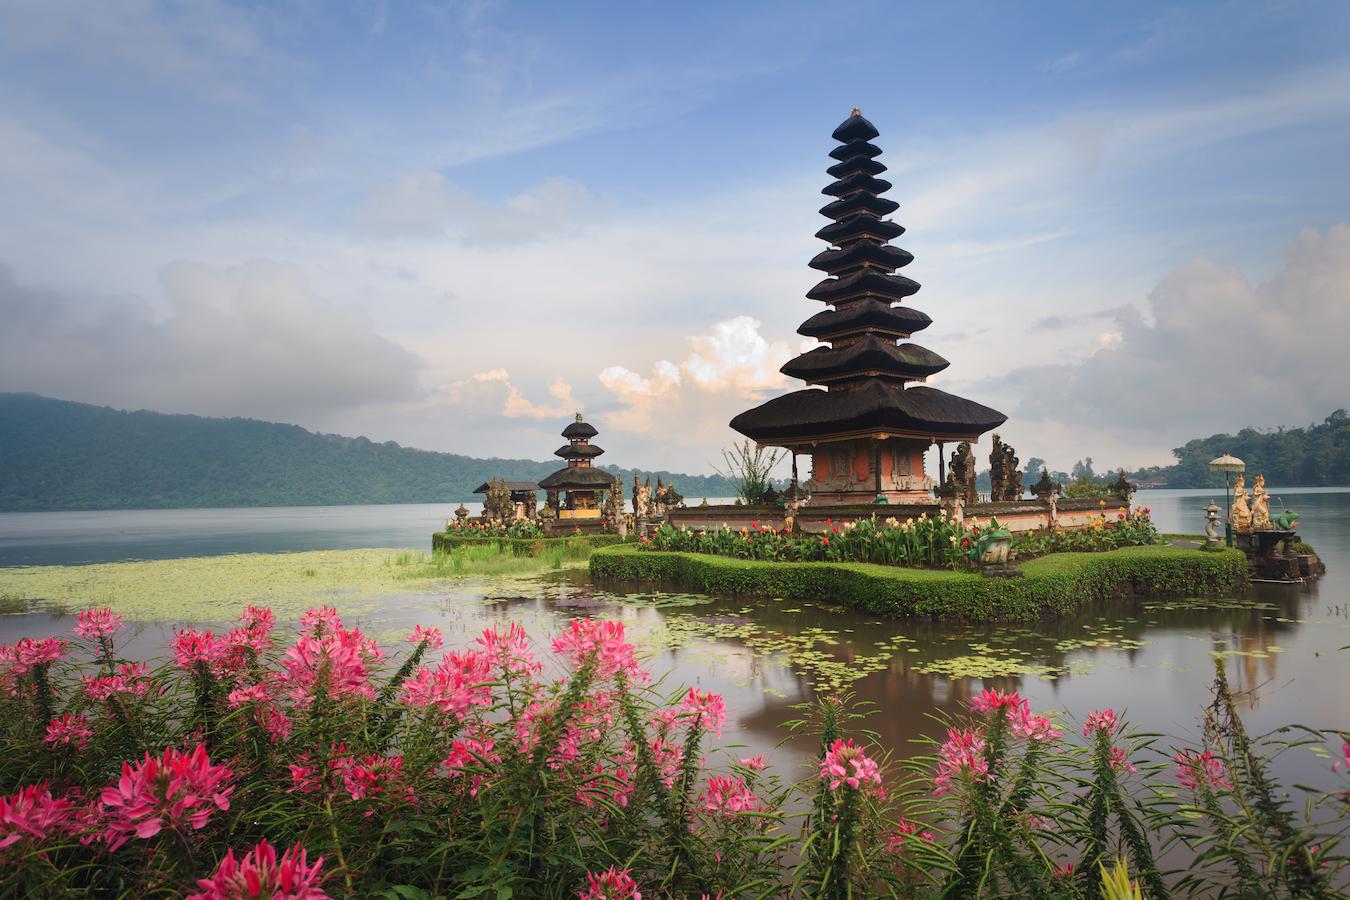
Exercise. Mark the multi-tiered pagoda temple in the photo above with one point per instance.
(580, 481)
(868, 419)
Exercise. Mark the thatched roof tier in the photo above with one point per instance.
(864, 283)
(578, 451)
(869, 356)
(855, 149)
(578, 478)
(841, 234)
(854, 165)
(859, 181)
(512, 486)
(861, 253)
(579, 429)
(859, 204)
(874, 408)
(855, 128)
(867, 314)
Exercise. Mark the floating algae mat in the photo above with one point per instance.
(215, 588)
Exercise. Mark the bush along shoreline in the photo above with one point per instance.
(1056, 583)
(321, 766)
(445, 541)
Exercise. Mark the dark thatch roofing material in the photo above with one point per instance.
(856, 227)
(859, 203)
(867, 282)
(919, 411)
(855, 165)
(868, 312)
(579, 430)
(881, 256)
(859, 181)
(578, 451)
(868, 354)
(855, 128)
(855, 148)
(512, 486)
(578, 477)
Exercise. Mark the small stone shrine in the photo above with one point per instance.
(1005, 481)
(506, 501)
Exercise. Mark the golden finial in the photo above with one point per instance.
(856, 111)
(578, 417)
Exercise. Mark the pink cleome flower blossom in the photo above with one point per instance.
(172, 790)
(337, 661)
(130, 681)
(1063, 870)
(707, 708)
(32, 812)
(611, 786)
(469, 756)
(1103, 720)
(249, 693)
(729, 796)
(612, 884)
(70, 730)
(376, 777)
(27, 653)
(258, 618)
(754, 763)
(613, 654)
(847, 763)
(1120, 761)
(261, 874)
(906, 831)
(321, 621)
(459, 683)
(990, 699)
(432, 637)
(963, 753)
(191, 648)
(509, 651)
(98, 623)
(1207, 768)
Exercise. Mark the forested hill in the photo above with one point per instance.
(55, 454)
(1316, 456)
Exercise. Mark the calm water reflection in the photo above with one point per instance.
(1152, 659)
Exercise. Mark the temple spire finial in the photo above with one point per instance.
(578, 417)
(856, 112)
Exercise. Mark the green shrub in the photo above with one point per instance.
(446, 540)
(1056, 583)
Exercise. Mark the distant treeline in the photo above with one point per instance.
(1316, 456)
(55, 454)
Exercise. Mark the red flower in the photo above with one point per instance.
(174, 789)
(261, 874)
(98, 623)
(613, 884)
(70, 729)
(825, 541)
(31, 812)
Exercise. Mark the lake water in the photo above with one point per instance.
(1149, 658)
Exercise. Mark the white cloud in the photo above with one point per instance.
(1217, 353)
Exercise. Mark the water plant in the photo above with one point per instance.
(320, 764)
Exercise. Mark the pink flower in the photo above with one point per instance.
(70, 730)
(706, 708)
(261, 874)
(613, 787)
(846, 763)
(1345, 758)
(510, 651)
(613, 884)
(32, 812)
(27, 653)
(460, 682)
(324, 620)
(191, 648)
(468, 755)
(1104, 720)
(337, 661)
(130, 681)
(906, 831)
(1026, 724)
(613, 654)
(1195, 769)
(962, 754)
(98, 623)
(754, 763)
(253, 693)
(729, 796)
(989, 700)
(1062, 870)
(432, 637)
(376, 777)
(173, 790)
(1120, 762)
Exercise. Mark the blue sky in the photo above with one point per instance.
(452, 224)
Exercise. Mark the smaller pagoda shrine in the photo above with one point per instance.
(580, 485)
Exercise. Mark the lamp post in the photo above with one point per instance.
(1227, 464)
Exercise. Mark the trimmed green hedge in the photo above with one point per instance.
(443, 540)
(1055, 583)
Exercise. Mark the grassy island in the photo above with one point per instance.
(575, 546)
(1055, 583)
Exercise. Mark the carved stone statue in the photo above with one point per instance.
(642, 499)
(664, 499)
(550, 510)
(497, 505)
(614, 510)
(1212, 535)
(962, 471)
(1122, 488)
(1043, 488)
(1005, 482)
(1260, 505)
(461, 512)
(1240, 514)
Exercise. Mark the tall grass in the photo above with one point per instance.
(488, 559)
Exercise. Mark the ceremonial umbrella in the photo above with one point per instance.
(1227, 464)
